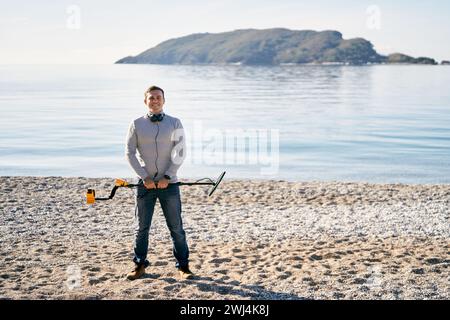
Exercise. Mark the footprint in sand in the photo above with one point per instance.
(310, 281)
(295, 258)
(222, 271)
(205, 287)
(219, 260)
(93, 281)
(94, 269)
(170, 288)
(338, 295)
(436, 269)
(198, 266)
(359, 281)
(149, 277)
(224, 278)
(284, 275)
(169, 280)
(315, 257)
(434, 261)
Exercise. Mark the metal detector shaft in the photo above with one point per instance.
(195, 183)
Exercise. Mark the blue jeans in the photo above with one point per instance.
(170, 201)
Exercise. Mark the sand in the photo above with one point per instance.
(251, 240)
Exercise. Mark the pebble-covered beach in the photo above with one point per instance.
(250, 240)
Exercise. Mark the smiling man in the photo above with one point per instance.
(155, 150)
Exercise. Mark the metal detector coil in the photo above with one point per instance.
(216, 184)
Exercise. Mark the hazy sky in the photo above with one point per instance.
(74, 32)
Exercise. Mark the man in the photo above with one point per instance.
(159, 140)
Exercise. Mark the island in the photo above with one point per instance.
(276, 46)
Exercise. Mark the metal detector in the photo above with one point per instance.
(119, 183)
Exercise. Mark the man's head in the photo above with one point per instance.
(154, 99)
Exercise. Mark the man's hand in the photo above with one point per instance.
(163, 183)
(149, 183)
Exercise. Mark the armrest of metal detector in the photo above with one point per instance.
(119, 183)
(90, 195)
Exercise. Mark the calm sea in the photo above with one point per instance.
(369, 123)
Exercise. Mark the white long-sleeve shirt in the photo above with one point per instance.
(155, 149)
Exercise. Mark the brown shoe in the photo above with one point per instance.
(138, 272)
(185, 273)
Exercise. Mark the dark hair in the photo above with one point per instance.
(153, 88)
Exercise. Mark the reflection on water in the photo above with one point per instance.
(375, 123)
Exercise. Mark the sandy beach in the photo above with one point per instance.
(250, 240)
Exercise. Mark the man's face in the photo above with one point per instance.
(154, 100)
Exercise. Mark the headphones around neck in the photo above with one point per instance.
(157, 117)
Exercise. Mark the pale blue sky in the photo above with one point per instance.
(38, 32)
